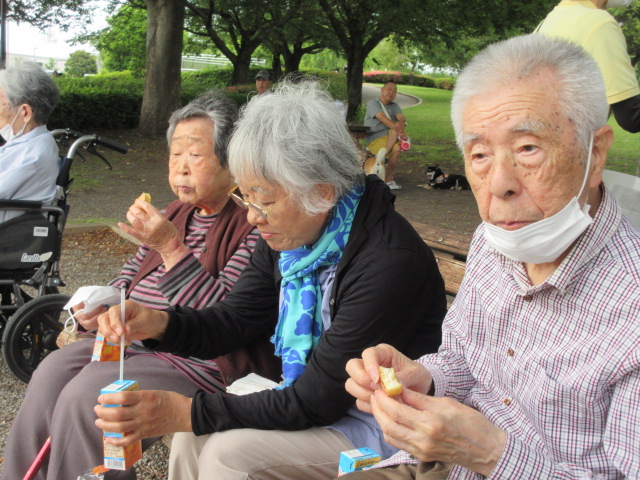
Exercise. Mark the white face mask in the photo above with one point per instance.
(618, 3)
(7, 131)
(545, 240)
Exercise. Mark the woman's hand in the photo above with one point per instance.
(365, 378)
(153, 229)
(141, 323)
(146, 413)
(88, 320)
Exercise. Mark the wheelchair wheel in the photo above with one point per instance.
(30, 335)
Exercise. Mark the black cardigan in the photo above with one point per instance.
(387, 289)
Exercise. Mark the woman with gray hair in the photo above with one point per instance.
(336, 270)
(192, 254)
(29, 159)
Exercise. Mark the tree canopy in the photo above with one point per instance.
(81, 63)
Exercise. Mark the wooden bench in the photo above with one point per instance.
(450, 250)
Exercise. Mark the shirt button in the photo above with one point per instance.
(527, 298)
(507, 402)
(510, 352)
(332, 301)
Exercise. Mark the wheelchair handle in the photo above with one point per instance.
(105, 142)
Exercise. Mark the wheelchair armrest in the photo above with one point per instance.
(20, 204)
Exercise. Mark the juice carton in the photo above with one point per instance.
(120, 458)
(352, 460)
(105, 351)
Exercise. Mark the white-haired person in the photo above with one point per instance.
(337, 269)
(29, 160)
(538, 375)
(192, 254)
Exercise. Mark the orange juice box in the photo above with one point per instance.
(105, 351)
(120, 458)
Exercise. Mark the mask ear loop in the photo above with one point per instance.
(586, 173)
(74, 322)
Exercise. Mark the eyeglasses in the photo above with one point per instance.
(236, 196)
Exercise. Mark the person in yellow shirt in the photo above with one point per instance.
(587, 23)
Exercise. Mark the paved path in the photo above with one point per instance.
(405, 101)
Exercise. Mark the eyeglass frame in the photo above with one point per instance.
(244, 204)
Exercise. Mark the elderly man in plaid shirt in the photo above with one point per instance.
(538, 375)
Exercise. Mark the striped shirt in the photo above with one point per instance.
(188, 284)
(557, 366)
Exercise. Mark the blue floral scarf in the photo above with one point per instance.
(300, 321)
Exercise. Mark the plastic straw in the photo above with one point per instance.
(37, 463)
(122, 315)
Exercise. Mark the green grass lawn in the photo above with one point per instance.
(432, 134)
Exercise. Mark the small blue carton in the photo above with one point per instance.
(352, 460)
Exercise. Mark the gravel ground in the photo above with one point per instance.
(91, 258)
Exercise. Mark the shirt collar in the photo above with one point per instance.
(39, 130)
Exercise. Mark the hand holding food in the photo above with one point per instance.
(144, 196)
(151, 227)
(389, 382)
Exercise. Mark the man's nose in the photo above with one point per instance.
(503, 176)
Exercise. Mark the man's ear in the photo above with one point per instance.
(602, 141)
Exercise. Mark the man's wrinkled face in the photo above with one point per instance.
(521, 155)
(388, 93)
(262, 85)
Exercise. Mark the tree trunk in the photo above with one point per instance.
(276, 67)
(355, 67)
(165, 21)
(241, 67)
(292, 59)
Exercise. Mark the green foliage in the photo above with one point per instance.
(194, 83)
(446, 83)
(122, 45)
(629, 19)
(45, 13)
(325, 60)
(113, 100)
(80, 63)
(101, 101)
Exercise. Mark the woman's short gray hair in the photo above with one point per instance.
(29, 83)
(296, 138)
(581, 93)
(217, 107)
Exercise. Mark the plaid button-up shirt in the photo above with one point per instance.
(557, 366)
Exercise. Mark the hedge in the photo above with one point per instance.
(445, 83)
(113, 101)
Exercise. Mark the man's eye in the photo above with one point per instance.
(529, 148)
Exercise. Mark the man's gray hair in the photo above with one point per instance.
(296, 138)
(29, 83)
(581, 95)
(217, 107)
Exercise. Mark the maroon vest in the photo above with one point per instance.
(222, 241)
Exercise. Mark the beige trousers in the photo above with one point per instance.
(311, 454)
(422, 471)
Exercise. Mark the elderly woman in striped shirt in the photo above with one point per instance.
(191, 254)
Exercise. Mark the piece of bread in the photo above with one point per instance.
(389, 382)
(145, 196)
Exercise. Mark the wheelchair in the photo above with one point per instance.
(31, 307)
